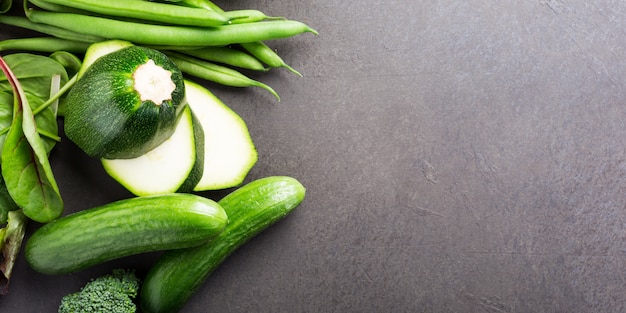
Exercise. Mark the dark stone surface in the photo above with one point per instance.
(460, 156)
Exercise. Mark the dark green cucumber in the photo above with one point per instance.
(124, 228)
(126, 103)
(178, 274)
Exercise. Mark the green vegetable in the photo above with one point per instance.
(198, 167)
(43, 44)
(149, 34)
(122, 228)
(100, 49)
(149, 11)
(178, 274)
(165, 168)
(226, 55)
(266, 55)
(211, 149)
(229, 152)
(216, 73)
(26, 169)
(69, 61)
(5, 5)
(125, 104)
(111, 293)
(11, 236)
(248, 16)
(23, 22)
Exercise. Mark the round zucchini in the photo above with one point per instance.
(125, 104)
(122, 228)
(166, 168)
(178, 274)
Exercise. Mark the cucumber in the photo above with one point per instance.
(122, 228)
(178, 274)
(229, 150)
(126, 103)
(165, 168)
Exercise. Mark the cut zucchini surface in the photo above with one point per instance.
(211, 149)
(163, 169)
(229, 150)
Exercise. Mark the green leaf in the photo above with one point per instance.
(29, 182)
(5, 5)
(25, 165)
(34, 73)
(6, 202)
(11, 237)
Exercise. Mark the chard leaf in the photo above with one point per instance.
(6, 202)
(34, 73)
(25, 165)
(11, 237)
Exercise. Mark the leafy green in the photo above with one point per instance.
(11, 238)
(6, 203)
(27, 171)
(5, 5)
(34, 73)
(25, 166)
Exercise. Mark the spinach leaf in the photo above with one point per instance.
(25, 165)
(34, 73)
(5, 5)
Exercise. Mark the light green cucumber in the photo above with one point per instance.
(178, 274)
(122, 228)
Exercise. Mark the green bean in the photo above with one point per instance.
(23, 22)
(150, 11)
(266, 55)
(145, 34)
(205, 4)
(216, 73)
(228, 56)
(48, 6)
(248, 16)
(43, 44)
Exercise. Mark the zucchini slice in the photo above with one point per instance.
(165, 168)
(99, 49)
(229, 150)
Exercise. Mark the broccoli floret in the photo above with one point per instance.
(112, 293)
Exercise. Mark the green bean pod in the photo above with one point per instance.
(215, 73)
(23, 22)
(266, 55)
(149, 11)
(226, 55)
(43, 44)
(205, 4)
(248, 16)
(146, 34)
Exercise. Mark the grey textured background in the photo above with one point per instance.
(460, 156)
